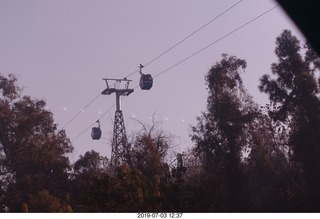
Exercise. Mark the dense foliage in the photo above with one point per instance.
(245, 158)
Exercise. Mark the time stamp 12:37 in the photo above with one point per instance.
(160, 215)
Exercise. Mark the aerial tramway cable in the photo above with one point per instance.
(148, 78)
(188, 57)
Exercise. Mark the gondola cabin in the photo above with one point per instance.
(146, 82)
(96, 133)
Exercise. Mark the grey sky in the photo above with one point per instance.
(61, 49)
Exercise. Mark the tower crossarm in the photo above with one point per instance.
(121, 92)
(116, 89)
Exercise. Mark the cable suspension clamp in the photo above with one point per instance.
(140, 67)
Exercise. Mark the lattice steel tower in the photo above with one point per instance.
(120, 147)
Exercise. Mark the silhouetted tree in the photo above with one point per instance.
(90, 163)
(221, 134)
(44, 202)
(90, 176)
(267, 168)
(294, 89)
(32, 150)
(149, 153)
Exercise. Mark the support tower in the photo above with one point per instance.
(120, 148)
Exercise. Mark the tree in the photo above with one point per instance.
(90, 163)
(150, 147)
(221, 133)
(129, 191)
(173, 186)
(44, 202)
(32, 150)
(267, 170)
(90, 176)
(149, 153)
(294, 90)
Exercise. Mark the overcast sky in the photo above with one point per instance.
(61, 49)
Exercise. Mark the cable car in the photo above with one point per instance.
(96, 132)
(146, 80)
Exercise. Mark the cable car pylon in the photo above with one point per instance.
(120, 147)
